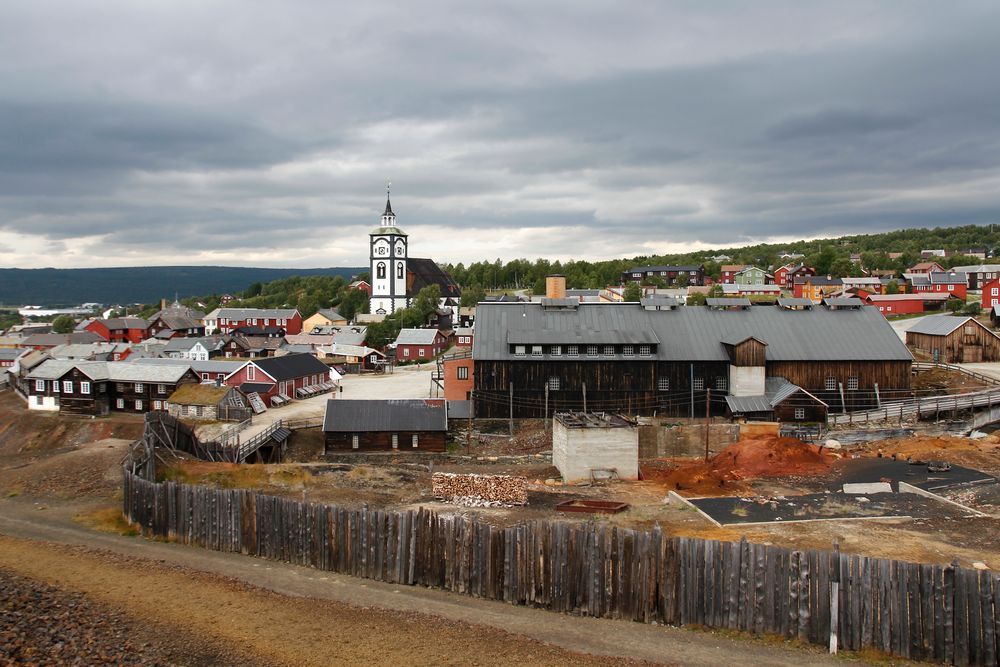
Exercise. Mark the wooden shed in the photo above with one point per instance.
(205, 401)
(386, 425)
(954, 339)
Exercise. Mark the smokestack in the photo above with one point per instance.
(555, 287)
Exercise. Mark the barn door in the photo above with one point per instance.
(972, 354)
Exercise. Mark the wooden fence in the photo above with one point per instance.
(928, 612)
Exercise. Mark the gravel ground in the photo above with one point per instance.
(41, 625)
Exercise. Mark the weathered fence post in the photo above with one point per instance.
(834, 596)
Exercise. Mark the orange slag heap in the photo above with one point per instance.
(744, 460)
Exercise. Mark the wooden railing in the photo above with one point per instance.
(245, 449)
(920, 407)
(923, 366)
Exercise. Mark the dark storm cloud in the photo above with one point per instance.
(231, 131)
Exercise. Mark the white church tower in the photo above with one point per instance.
(388, 264)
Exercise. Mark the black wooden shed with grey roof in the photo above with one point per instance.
(386, 425)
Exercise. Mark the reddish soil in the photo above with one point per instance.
(729, 470)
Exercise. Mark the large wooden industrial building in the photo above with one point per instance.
(658, 357)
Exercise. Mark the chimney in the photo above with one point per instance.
(555, 287)
(163, 304)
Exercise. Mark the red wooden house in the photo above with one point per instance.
(926, 267)
(419, 344)
(905, 304)
(785, 276)
(289, 319)
(941, 283)
(362, 285)
(991, 294)
(727, 273)
(120, 329)
(284, 375)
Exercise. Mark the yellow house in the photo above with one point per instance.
(325, 317)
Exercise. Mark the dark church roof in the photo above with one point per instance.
(388, 207)
(426, 272)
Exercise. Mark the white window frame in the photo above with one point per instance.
(161, 389)
(67, 386)
(852, 383)
(536, 350)
(628, 350)
(40, 385)
(354, 441)
(519, 350)
(553, 383)
(830, 384)
(84, 387)
(663, 383)
(414, 440)
(800, 413)
(406, 351)
(138, 404)
(555, 350)
(463, 373)
(395, 441)
(608, 351)
(572, 350)
(645, 350)
(592, 350)
(251, 372)
(157, 405)
(120, 403)
(139, 386)
(721, 383)
(699, 384)
(420, 352)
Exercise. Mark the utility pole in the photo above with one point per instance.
(511, 409)
(468, 428)
(708, 405)
(584, 396)
(546, 406)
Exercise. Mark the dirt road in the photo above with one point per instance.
(283, 614)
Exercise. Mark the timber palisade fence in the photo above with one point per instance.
(925, 612)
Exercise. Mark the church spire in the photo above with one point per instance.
(388, 217)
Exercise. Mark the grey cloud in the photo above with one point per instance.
(839, 123)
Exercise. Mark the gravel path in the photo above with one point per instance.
(42, 625)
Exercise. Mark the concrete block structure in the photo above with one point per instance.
(583, 442)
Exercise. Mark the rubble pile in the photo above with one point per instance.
(480, 490)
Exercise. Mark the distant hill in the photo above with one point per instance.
(140, 284)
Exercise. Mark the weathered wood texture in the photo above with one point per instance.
(924, 612)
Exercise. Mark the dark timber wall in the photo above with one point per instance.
(924, 612)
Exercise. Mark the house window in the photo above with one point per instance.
(553, 383)
(420, 352)
(969, 331)
(536, 350)
(414, 440)
(699, 384)
(406, 352)
(395, 441)
(555, 350)
(199, 411)
(251, 372)
(120, 403)
(645, 350)
(354, 441)
(84, 387)
(591, 350)
(161, 388)
(39, 385)
(888, 308)
(663, 383)
(138, 387)
(138, 404)
(572, 350)
(519, 350)
(830, 384)
(637, 275)
(205, 376)
(994, 291)
(721, 383)
(800, 413)
(463, 372)
(951, 288)
(628, 350)
(852, 383)
(67, 387)
(157, 405)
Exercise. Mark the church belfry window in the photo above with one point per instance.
(399, 271)
(380, 270)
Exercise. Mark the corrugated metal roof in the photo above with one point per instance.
(776, 390)
(843, 302)
(694, 333)
(938, 325)
(585, 337)
(409, 414)
(255, 313)
(728, 302)
(795, 302)
(416, 337)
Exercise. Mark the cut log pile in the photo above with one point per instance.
(480, 490)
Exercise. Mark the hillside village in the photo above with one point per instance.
(710, 399)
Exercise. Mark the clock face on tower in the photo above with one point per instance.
(400, 250)
(381, 249)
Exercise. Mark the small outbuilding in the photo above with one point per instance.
(385, 425)
(954, 339)
(205, 401)
(586, 445)
(781, 401)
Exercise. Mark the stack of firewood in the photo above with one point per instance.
(480, 490)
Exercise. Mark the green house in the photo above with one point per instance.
(753, 276)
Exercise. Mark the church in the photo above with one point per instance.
(397, 278)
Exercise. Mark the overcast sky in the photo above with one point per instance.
(261, 134)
